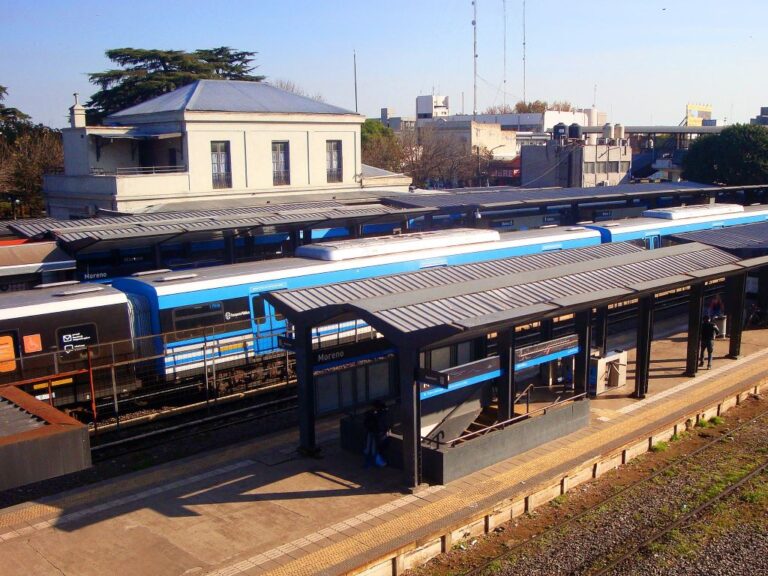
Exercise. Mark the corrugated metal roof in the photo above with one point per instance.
(495, 197)
(172, 223)
(14, 419)
(746, 237)
(428, 306)
(308, 298)
(230, 96)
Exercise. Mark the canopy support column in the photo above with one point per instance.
(583, 321)
(695, 306)
(507, 386)
(305, 389)
(601, 329)
(644, 339)
(410, 415)
(735, 290)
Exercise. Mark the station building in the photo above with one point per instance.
(210, 140)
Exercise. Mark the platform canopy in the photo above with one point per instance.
(505, 197)
(454, 303)
(749, 239)
(123, 231)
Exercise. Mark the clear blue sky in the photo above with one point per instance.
(648, 58)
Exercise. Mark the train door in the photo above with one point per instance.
(266, 324)
(653, 242)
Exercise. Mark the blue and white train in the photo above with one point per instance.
(217, 318)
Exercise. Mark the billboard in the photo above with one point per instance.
(695, 114)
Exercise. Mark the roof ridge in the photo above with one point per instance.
(192, 95)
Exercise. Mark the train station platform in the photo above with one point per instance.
(259, 508)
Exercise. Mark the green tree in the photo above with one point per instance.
(27, 151)
(381, 148)
(145, 74)
(12, 120)
(736, 156)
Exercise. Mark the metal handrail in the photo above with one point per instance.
(505, 423)
(138, 170)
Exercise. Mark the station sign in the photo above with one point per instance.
(433, 377)
(350, 352)
(546, 351)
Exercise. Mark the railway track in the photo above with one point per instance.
(604, 538)
(139, 440)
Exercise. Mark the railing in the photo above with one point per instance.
(222, 180)
(502, 425)
(334, 175)
(138, 170)
(281, 177)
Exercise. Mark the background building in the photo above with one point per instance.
(568, 160)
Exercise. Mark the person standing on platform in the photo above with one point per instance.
(708, 334)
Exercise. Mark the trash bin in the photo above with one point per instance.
(722, 323)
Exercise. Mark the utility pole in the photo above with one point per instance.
(474, 50)
(354, 65)
(524, 98)
(504, 91)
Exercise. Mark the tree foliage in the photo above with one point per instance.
(27, 151)
(541, 106)
(381, 148)
(736, 156)
(10, 118)
(145, 74)
(432, 157)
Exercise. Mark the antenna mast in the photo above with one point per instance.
(474, 32)
(504, 95)
(354, 65)
(524, 98)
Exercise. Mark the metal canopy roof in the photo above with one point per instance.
(470, 198)
(14, 419)
(419, 313)
(77, 235)
(749, 237)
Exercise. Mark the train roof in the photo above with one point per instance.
(59, 297)
(682, 215)
(176, 282)
(375, 246)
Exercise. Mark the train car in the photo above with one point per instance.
(61, 327)
(651, 229)
(217, 317)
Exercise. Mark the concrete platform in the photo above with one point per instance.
(257, 508)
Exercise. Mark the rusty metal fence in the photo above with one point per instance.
(105, 385)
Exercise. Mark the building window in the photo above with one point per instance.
(589, 167)
(333, 161)
(600, 167)
(625, 166)
(281, 164)
(220, 165)
(613, 166)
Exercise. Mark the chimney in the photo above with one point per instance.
(77, 114)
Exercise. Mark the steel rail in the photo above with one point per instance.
(683, 519)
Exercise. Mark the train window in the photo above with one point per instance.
(463, 353)
(73, 341)
(198, 316)
(8, 352)
(257, 309)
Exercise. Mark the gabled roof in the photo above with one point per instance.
(230, 96)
